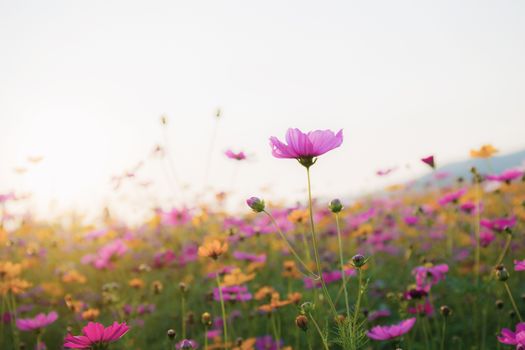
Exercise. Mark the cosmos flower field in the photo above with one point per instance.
(435, 266)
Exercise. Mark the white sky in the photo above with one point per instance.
(83, 83)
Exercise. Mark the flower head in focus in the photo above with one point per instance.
(96, 334)
(305, 147)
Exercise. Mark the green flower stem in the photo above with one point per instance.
(513, 301)
(223, 310)
(323, 338)
(343, 274)
(314, 243)
(289, 246)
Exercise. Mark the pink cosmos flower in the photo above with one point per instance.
(232, 293)
(519, 265)
(249, 257)
(514, 338)
(303, 146)
(506, 176)
(186, 344)
(96, 334)
(426, 277)
(391, 332)
(429, 161)
(499, 224)
(39, 321)
(452, 197)
(236, 156)
(176, 217)
(385, 172)
(485, 238)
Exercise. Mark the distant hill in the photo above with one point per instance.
(494, 165)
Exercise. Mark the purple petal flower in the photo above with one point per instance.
(301, 145)
(391, 332)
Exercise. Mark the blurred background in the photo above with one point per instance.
(84, 84)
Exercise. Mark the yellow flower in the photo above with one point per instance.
(486, 151)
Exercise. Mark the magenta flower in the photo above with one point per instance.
(452, 197)
(519, 265)
(426, 277)
(498, 224)
(249, 257)
(485, 238)
(236, 156)
(429, 161)
(506, 176)
(39, 321)
(304, 147)
(391, 332)
(186, 344)
(232, 293)
(514, 338)
(96, 334)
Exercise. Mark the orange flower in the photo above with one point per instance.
(74, 276)
(290, 269)
(9, 270)
(486, 151)
(236, 277)
(136, 283)
(298, 216)
(213, 249)
(15, 286)
(90, 314)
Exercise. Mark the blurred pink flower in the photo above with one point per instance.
(176, 217)
(391, 332)
(513, 338)
(506, 176)
(519, 265)
(306, 146)
(96, 334)
(426, 277)
(429, 161)
(237, 156)
(486, 237)
(39, 321)
(498, 224)
(452, 196)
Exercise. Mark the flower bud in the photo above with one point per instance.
(499, 304)
(301, 321)
(256, 204)
(335, 206)
(184, 288)
(206, 319)
(358, 260)
(171, 333)
(501, 273)
(445, 311)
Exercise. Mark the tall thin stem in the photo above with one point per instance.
(478, 244)
(323, 338)
(358, 302)
(289, 246)
(513, 302)
(443, 333)
(343, 274)
(223, 310)
(314, 243)
(505, 249)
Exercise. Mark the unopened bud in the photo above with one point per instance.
(171, 333)
(256, 204)
(301, 321)
(335, 206)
